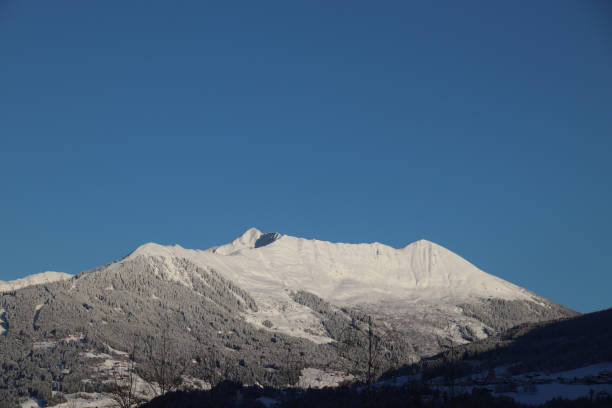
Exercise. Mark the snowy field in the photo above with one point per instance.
(539, 387)
(315, 378)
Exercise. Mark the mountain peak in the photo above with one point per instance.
(250, 236)
(419, 244)
(153, 249)
(247, 240)
(423, 242)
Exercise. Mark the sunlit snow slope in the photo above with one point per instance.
(376, 277)
(345, 274)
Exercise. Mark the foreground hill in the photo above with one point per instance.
(565, 363)
(546, 347)
(265, 306)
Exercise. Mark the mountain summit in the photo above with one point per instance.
(252, 238)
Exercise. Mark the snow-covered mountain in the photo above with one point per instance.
(258, 300)
(422, 283)
(35, 279)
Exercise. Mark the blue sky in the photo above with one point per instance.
(483, 126)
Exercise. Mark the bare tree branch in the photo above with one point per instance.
(163, 366)
(123, 384)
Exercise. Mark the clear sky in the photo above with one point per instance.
(483, 126)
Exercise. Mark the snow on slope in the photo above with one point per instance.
(345, 274)
(36, 279)
(270, 266)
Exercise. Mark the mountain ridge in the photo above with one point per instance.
(419, 258)
(34, 279)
